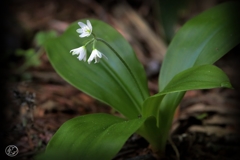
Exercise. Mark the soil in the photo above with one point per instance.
(206, 123)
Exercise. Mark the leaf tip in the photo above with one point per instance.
(226, 85)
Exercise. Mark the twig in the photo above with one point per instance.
(174, 148)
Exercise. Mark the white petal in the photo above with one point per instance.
(81, 56)
(84, 34)
(91, 57)
(79, 30)
(89, 25)
(95, 52)
(74, 51)
(82, 53)
(96, 59)
(99, 54)
(82, 25)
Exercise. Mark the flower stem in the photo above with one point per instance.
(103, 41)
(89, 42)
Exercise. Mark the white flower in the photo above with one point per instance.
(95, 55)
(85, 30)
(81, 51)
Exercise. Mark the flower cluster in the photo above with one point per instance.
(86, 31)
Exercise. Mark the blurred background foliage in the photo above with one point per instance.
(158, 20)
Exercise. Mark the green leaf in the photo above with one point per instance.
(89, 137)
(202, 40)
(108, 81)
(198, 77)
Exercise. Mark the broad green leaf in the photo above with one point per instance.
(108, 81)
(150, 132)
(89, 137)
(202, 40)
(199, 77)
